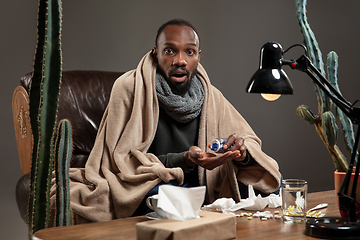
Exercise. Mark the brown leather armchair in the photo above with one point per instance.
(83, 98)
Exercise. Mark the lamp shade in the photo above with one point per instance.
(270, 78)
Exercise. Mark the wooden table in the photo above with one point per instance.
(246, 229)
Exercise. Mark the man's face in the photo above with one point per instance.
(178, 55)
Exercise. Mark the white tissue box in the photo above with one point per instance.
(210, 225)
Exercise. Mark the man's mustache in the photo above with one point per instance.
(183, 69)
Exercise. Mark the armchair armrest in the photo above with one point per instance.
(23, 133)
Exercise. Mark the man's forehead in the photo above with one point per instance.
(174, 33)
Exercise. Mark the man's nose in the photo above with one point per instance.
(179, 60)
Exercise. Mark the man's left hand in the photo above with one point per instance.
(238, 144)
(237, 152)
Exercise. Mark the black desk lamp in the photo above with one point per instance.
(271, 79)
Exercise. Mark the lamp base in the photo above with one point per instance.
(332, 228)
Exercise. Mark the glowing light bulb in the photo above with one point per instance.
(270, 97)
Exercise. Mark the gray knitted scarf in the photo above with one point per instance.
(181, 108)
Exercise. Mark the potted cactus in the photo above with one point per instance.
(329, 114)
(44, 94)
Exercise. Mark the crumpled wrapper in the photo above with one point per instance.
(253, 202)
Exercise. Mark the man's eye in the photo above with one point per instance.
(168, 51)
(190, 52)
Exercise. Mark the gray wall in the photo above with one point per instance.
(114, 35)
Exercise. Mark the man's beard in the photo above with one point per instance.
(179, 89)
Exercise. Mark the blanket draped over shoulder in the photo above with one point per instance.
(119, 171)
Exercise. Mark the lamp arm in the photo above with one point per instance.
(346, 202)
(304, 64)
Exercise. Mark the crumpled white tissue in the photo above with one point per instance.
(181, 203)
(223, 205)
(255, 203)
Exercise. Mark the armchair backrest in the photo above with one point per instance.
(83, 98)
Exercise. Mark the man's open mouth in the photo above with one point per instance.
(179, 76)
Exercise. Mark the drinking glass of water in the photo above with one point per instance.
(293, 192)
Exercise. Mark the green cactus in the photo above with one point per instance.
(305, 114)
(314, 52)
(44, 94)
(63, 154)
(325, 122)
(345, 122)
(329, 128)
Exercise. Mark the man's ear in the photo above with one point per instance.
(199, 55)
(154, 54)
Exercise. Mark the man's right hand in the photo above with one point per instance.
(196, 156)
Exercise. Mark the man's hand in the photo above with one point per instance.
(238, 145)
(195, 156)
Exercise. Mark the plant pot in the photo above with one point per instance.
(338, 178)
